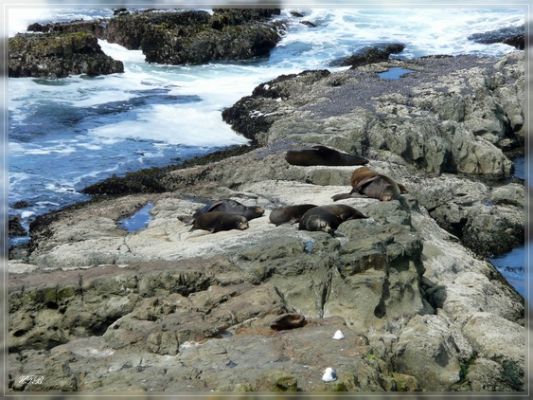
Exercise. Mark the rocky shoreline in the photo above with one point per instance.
(95, 308)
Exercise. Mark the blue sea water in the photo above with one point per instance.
(138, 220)
(394, 73)
(65, 134)
(512, 267)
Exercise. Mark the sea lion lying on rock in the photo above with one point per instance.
(322, 155)
(291, 214)
(371, 184)
(288, 321)
(231, 207)
(216, 221)
(328, 218)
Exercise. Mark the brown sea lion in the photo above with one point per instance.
(283, 215)
(328, 218)
(318, 219)
(368, 182)
(288, 321)
(322, 155)
(231, 207)
(219, 221)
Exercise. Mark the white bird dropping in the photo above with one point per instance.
(338, 335)
(330, 375)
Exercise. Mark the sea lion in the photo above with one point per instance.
(231, 207)
(328, 218)
(288, 321)
(319, 219)
(344, 212)
(322, 155)
(368, 182)
(283, 215)
(216, 221)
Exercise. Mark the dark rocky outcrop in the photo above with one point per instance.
(513, 36)
(150, 180)
(58, 55)
(232, 42)
(15, 228)
(308, 23)
(20, 204)
(129, 30)
(369, 55)
(245, 117)
(238, 16)
(185, 37)
(97, 27)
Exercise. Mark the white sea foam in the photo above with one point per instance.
(425, 30)
(121, 53)
(191, 126)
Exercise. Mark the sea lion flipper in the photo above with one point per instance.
(351, 195)
(214, 205)
(364, 182)
(341, 196)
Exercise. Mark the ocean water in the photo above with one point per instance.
(65, 134)
(512, 267)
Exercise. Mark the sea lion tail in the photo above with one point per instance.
(341, 196)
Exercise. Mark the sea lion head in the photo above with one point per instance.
(254, 212)
(319, 219)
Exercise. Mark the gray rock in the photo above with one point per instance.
(370, 54)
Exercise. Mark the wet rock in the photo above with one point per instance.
(238, 16)
(195, 37)
(15, 228)
(150, 180)
(184, 37)
(231, 42)
(369, 55)
(20, 204)
(97, 27)
(513, 36)
(129, 30)
(308, 23)
(120, 11)
(58, 55)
